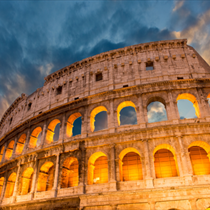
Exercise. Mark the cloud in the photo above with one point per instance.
(128, 116)
(178, 5)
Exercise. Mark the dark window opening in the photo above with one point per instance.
(125, 86)
(76, 98)
(99, 77)
(40, 112)
(10, 121)
(59, 90)
(180, 78)
(29, 106)
(149, 66)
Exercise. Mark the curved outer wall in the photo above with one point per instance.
(178, 69)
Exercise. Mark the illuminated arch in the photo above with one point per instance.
(1, 184)
(191, 98)
(70, 123)
(199, 152)
(10, 185)
(93, 114)
(46, 177)
(20, 144)
(1, 153)
(34, 137)
(50, 130)
(26, 181)
(69, 177)
(168, 167)
(97, 161)
(9, 150)
(123, 105)
(130, 165)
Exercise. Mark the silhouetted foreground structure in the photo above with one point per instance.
(161, 165)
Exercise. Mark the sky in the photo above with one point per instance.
(41, 37)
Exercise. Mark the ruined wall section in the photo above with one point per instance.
(120, 68)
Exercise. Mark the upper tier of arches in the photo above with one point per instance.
(120, 68)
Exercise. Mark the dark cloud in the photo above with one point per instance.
(128, 116)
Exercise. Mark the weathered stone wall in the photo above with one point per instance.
(172, 59)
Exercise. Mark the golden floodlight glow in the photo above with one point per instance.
(123, 105)
(1, 153)
(34, 137)
(20, 144)
(70, 124)
(69, 177)
(10, 185)
(191, 98)
(26, 181)
(9, 150)
(93, 114)
(50, 130)
(46, 177)
(1, 184)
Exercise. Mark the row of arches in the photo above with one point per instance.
(130, 168)
(126, 114)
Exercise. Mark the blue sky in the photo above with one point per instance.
(40, 37)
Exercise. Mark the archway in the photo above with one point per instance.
(126, 113)
(1, 153)
(10, 185)
(165, 161)
(98, 168)
(70, 176)
(188, 106)
(156, 112)
(53, 131)
(70, 124)
(46, 177)
(9, 150)
(26, 181)
(35, 137)
(1, 184)
(101, 121)
(20, 144)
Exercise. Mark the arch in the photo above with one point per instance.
(34, 137)
(1, 153)
(156, 98)
(201, 144)
(191, 98)
(69, 177)
(165, 162)
(97, 168)
(93, 114)
(10, 185)
(70, 124)
(199, 160)
(123, 105)
(20, 144)
(26, 181)
(51, 130)
(130, 165)
(1, 184)
(9, 150)
(46, 177)
(156, 111)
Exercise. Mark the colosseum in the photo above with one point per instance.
(46, 164)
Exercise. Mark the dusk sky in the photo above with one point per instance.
(40, 37)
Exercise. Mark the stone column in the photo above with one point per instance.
(168, 112)
(16, 183)
(27, 141)
(34, 181)
(136, 72)
(62, 129)
(44, 131)
(14, 148)
(112, 172)
(55, 185)
(174, 112)
(141, 113)
(111, 76)
(4, 187)
(111, 117)
(82, 168)
(5, 149)
(186, 163)
(193, 204)
(148, 161)
(84, 128)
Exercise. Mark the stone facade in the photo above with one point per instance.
(179, 73)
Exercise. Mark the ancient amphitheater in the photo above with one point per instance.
(160, 165)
